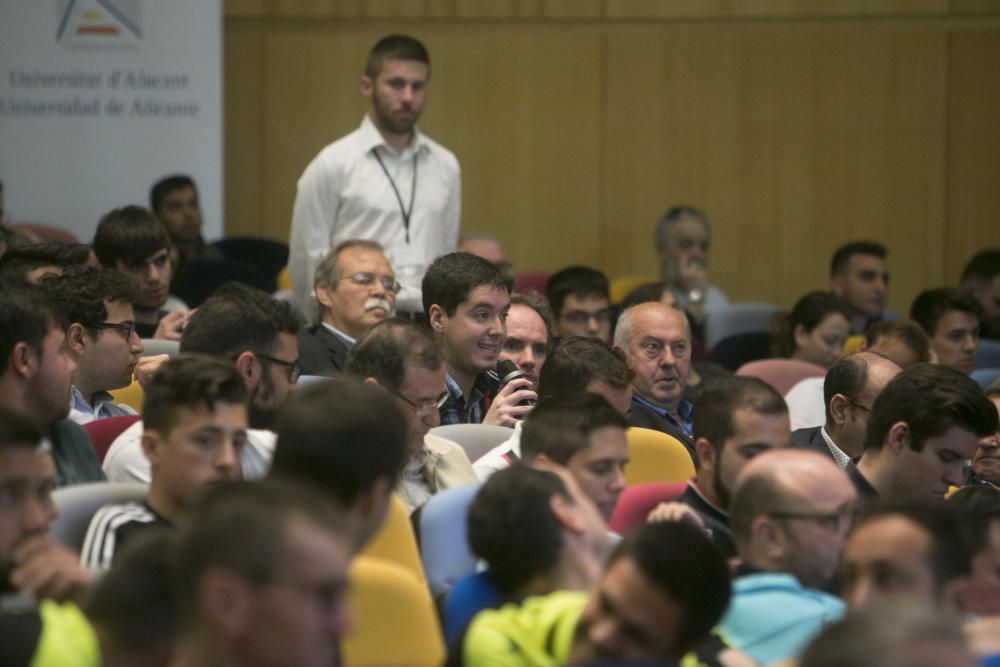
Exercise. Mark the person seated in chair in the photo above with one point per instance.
(581, 302)
(174, 200)
(194, 430)
(951, 320)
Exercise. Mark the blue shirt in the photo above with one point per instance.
(82, 412)
(683, 407)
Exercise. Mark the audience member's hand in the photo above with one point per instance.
(147, 366)
(675, 512)
(172, 324)
(693, 274)
(504, 410)
(45, 569)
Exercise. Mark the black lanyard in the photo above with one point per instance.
(413, 191)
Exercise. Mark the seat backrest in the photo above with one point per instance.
(444, 547)
(782, 374)
(268, 255)
(737, 318)
(984, 377)
(988, 353)
(131, 396)
(535, 280)
(622, 285)
(395, 541)
(475, 439)
(637, 501)
(734, 351)
(153, 346)
(201, 277)
(102, 432)
(76, 506)
(656, 457)
(395, 622)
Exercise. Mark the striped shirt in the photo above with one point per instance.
(111, 527)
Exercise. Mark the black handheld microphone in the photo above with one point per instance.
(508, 370)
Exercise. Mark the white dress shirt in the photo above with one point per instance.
(126, 462)
(345, 194)
(495, 459)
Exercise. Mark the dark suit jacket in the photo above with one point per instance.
(644, 417)
(811, 438)
(321, 352)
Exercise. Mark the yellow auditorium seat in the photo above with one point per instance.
(130, 396)
(622, 285)
(853, 344)
(284, 280)
(395, 622)
(656, 457)
(395, 541)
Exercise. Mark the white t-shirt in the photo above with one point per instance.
(496, 459)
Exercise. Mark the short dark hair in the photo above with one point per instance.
(644, 293)
(578, 361)
(722, 397)
(243, 527)
(679, 559)
(538, 303)
(167, 185)
(931, 399)
(130, 235)
(27, 314)
(238, 318)
(510, 517)
(976, 507)
(674, 215)
(450, 280)
(189, 381)
(20, 260)
(575, 280)
(810, 311)
(561, 426)
(983, 267)
(844, 253)
(17, 431)
(905, 331)
(931, 305)
(848, 377)
(340, 435)
(383, 351)
(395, 47)
(133, 605)
(82, 293)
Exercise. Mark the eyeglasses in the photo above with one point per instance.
(366, 279)
(581, 317)
(421, 410)
(294, 367)
(126, 328)
(839, 522)
(856, 403)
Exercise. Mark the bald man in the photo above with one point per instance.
(790, 514)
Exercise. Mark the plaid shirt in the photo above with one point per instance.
(457, 410)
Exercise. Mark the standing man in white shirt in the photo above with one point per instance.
(385, 181)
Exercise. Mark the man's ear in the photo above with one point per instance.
(899, 437)
(367, 86)
(23, 360)
(800, 335)
(565, 513)
(437, 318)
(226, 600)
(77, 338)
(768, 536)
(839, 407)
(323, 295)
(151, 446)
(837, 285)
(706, 455)
(249, 368)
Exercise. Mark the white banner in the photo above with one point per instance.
(101, 98)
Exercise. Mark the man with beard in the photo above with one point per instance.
(355, 288)
(736, 419)
(240, 325)
(195, 426)
(385, 181)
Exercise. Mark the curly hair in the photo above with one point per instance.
(83, 292)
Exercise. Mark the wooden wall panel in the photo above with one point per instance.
(973, 220)
(243, 120)
(793, 140)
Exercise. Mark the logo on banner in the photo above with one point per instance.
(114, 23)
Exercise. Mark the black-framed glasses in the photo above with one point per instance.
(422, 410)
(582, 317)
(126, 328)
(294, 367)
(839, 522)
(856, 403)
(367, 279)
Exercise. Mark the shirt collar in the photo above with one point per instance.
(839, 456)
(684, 408)
(79, 402)
(340, 334)
(371, 138)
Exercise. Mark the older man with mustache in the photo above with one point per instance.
(355, 289)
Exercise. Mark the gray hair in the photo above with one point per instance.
(327, 273)
(661, 232)
(623, 330)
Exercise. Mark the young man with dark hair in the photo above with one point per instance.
(36, 376)
(133, 241)
(859, 280)
(355, 288)
(347, 439)
(34, 261)
(951, 320)
(194, 429)
(34, 571)
(736, 419)
(174, 200)
(581, 302)
(100, 338)
(586, 435)
(849, 390)
(579, 364)
(466, 300)
(261, 578)
(922, 429)
(246, 327)
(661, 593)
(981, 279)
(385, 182)
(400, 357)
